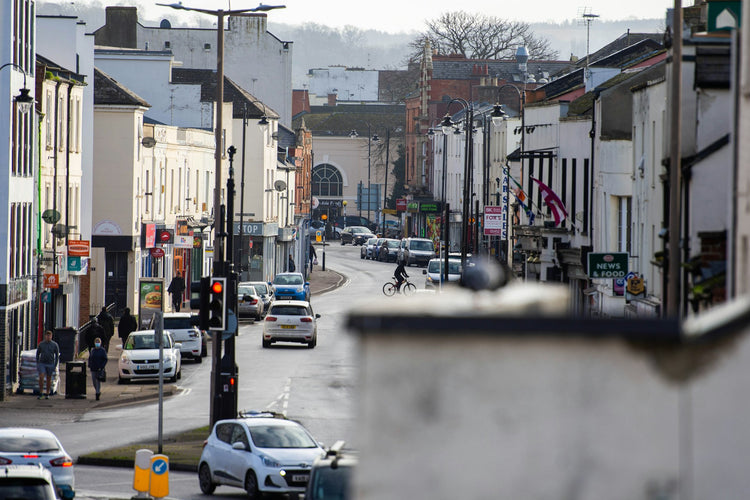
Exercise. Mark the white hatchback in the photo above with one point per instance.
(260, 453)
(140, 357)
(28, 446)
(185, 332)
(291, 321)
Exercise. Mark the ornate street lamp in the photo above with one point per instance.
(23, 99)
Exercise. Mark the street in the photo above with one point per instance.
(315, 387)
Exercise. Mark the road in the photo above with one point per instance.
(316, 387)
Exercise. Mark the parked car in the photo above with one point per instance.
(356, 235)
(290, 286)
(249, 301)
(204, 335)
(185, 332)
(341, 222)
(331, 474)
(435, 267)
(259, 452)
(38, 447)
(265, 291)
(140, 357)
(416, 251)
(291, 321)
(368, 247)
(27, 482)
(388, 250)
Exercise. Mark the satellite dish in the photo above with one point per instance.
(148, 142)
(50, 216)
(279, 185)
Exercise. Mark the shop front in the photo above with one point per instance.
(254, 250)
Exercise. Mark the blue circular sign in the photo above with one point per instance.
(159, 466)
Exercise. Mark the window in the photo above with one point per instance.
(327, 181)
(623, 223)
(167, 44)
(206, 46)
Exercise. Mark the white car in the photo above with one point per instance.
(27, 446)
(185, 332)
(140, 357)
(29, 482)
(260, 453)
(291, 321)
(434, 269)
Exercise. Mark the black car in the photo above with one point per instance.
(356, 235)
(341, 222)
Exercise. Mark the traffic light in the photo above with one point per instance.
(217, 305)
(199, 298)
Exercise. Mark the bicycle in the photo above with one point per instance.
(407, 287)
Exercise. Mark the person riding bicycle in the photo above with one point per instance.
(400, 275)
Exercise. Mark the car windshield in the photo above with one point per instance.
(454, 267)
(177, 323)
(144, 341)
(392, 243)
(276, 436)
(422, 245)
(372, 241)
(288, 279)
(360, 230)
(21, 444)
(284, 310)
(25, 488)
(329, 483)
(246, 290)
(261, 288)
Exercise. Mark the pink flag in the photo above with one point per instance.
(553, 201)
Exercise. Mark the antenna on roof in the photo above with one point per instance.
(586, 18)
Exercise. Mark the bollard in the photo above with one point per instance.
(142, 472)
(159, 478)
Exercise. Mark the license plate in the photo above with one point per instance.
(291, 327)
(300, 478)
(146, 367)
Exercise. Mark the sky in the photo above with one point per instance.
(394, 16)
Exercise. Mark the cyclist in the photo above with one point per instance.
(400, 275)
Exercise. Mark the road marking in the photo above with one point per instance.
(282, 399)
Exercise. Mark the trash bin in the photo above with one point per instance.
(66, 338)
(75, 380)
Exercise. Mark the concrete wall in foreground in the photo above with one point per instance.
(536, 407)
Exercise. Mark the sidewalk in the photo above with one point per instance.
(114, 394)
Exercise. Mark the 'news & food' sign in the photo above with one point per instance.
(608, 265)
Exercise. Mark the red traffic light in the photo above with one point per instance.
(217, 287)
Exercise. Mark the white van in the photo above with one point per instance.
(416, 251)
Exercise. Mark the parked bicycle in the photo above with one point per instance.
(407, 288)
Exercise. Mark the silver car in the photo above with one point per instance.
(265, 291)
(249, 301)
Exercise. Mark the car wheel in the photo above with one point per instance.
(198, 359)
(172, 380)
(251, 485)
(204, 479)
(258, 317)
(312, 343)
(122, 381)
(204, 350)
(266, 343)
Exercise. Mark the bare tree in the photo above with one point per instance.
(477, 36)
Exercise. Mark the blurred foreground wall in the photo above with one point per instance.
(502, 395)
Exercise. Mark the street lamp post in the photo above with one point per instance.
(468, 169)
(219, 266)
(23, 99)
(370, 139)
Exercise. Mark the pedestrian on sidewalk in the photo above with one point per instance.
(108, 323)
(313, 257)
(291, 266)
(94, 331)
(47, 358)
(97, 365)
(126, 325)
(176, 288)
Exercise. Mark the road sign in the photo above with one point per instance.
(159, 478)
(608, 265)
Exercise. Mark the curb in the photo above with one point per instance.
(341, 279)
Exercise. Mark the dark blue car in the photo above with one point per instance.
(290, 286)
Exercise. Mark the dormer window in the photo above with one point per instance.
(167, 44)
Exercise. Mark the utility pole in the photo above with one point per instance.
(675, 165)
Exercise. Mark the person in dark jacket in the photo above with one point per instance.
(126, 325)
(94, 331)
(176, 288)
(400, 275)
(97, 363)
(292, 267)
(108, 323)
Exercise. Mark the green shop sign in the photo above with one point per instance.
(430, 207)
(412, 206)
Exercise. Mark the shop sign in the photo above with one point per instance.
(249, 228)
(197, 242)
(412, 206)
(608, 265)
(165, 236)
(183, 241)
(430, 207)
(51, 281)
(494, 223)
(401, 204)
(78, 248)
(150, 235)
(157, 252)
(74, 264)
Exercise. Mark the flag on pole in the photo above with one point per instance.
(553, 201)
(520, 196)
